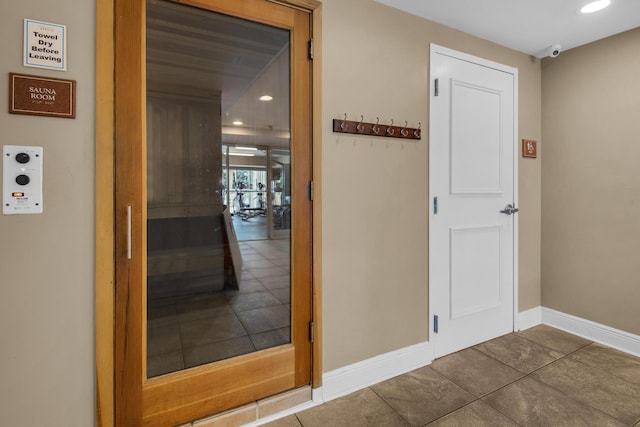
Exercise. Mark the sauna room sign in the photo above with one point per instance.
(42, 96)
(45, 45)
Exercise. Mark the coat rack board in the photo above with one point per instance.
(375, 129)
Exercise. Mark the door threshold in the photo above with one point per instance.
(257, 411)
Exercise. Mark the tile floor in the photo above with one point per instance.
(192, 330)
(254, 228)
(538, 377)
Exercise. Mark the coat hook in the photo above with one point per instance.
(375, 129)
(360, 126)
(390, 129)
(404, 130)
(343, 125)
(416, 132)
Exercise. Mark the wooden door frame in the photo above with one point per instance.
(105, 203)
(437, 49)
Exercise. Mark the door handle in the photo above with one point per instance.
(509, 210)
(129, 232)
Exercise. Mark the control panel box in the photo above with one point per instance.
(21, 180)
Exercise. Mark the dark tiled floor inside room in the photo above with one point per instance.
(538, 377)
(192, 330)
(251, 228)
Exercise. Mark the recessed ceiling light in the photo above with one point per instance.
(238, 123)
(241, 154)
(246, 148)
(266, 98)
(595, 6)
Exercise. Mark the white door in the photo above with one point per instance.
(472, 178)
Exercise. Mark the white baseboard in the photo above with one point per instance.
(529, 318)
(593, 331)
(362, 374)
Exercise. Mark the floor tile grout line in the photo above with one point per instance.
(602, 370)
(558, 359)
(580, 402)
(479, 399)
(180, 321)
(387, 403)
(513, 367)
(475, 399)
(537, 343)
(519, 334)
(524, 375)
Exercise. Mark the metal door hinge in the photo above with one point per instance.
(311, 49)
(311, 329)
(435, 323)
(436, 87)
(311, 190)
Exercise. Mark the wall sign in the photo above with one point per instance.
(45, 45)
(42, 96)
(529, 148)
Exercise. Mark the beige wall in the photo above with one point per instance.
(374, 219)
(47, 261)
(591, 184)
(375, 190)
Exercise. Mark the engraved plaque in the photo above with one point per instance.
(42, 96)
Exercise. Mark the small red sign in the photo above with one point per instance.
(529, 148)
(42, 96)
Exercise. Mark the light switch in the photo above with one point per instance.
(21, 180)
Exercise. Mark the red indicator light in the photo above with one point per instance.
(17, 194)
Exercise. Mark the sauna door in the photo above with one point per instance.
(213, 216)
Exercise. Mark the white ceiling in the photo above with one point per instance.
(529, 26)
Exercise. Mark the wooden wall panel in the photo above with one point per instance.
(184, 156)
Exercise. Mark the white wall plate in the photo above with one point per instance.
(22, 180)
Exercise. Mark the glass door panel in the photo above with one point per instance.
(203, 321)
(218, 187)
(280, 193)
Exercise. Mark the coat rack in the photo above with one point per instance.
(376, 129)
